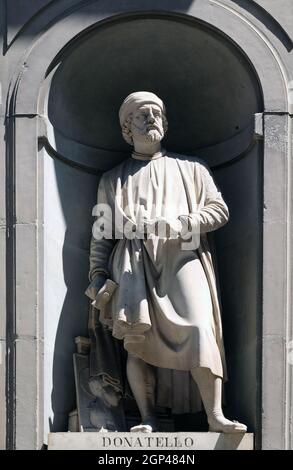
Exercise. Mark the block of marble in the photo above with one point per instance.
(150, 441)
(82, 344)
(94, 412)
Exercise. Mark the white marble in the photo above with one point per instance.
(154, 307)
(149, 441)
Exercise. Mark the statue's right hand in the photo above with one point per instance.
(96, 284)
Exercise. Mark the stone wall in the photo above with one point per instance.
(44, 44)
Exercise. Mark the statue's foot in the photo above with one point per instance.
(222, 424)
(148, 425)
(141, 428)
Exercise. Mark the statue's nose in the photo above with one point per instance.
(151, 118)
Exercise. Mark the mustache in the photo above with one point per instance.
(154, 127)
(148, 128)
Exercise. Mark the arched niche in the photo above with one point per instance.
(212, 94)
(38, 202)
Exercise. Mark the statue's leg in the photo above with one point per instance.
(142, 381)
(210, 387)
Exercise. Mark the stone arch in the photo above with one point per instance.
(25, 101)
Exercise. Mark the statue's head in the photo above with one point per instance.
(143, 118)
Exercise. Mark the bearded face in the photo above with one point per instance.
(147, 124)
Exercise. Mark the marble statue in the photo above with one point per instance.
(151, 268)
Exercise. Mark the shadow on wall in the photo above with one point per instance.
(77, 192)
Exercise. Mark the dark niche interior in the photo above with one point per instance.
(211, 94)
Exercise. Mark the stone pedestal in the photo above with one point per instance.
(218, 61)
(184, 441)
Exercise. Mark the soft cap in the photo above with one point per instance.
(137, 99)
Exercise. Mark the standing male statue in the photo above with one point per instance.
(151, 273)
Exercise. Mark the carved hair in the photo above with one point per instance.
(126, 128)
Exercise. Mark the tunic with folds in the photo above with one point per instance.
(165, 308)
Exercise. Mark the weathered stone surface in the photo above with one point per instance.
(26, 168)
(2, 283)
(150, 441)
(277, 310)
(2, 167)
(26, 280)
(2, 395)
(273, 415)
(2, 339)
(26, 393)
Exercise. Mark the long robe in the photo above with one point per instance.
(166, 308)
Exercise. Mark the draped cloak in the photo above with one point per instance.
(166, 306)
